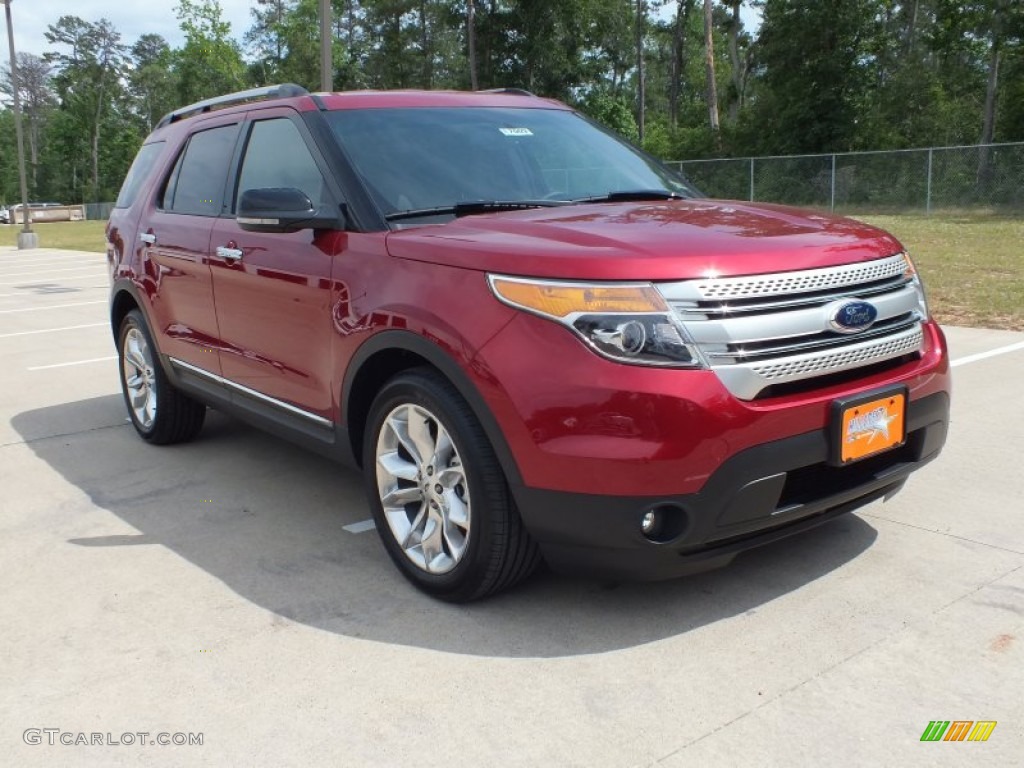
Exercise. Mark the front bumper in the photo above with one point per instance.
(757, 496)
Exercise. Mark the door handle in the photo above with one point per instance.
(229, 254)
(148, 238)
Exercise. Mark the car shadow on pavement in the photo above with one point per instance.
(266, 518)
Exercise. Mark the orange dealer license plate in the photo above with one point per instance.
(869, 424)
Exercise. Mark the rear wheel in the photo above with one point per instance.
(159, 412)
(438, 494)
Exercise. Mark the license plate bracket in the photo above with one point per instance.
(868, 424)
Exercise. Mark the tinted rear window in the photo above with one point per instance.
(197, 184)
(137, 174)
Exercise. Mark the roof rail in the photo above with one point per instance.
(255, 94)
(509, 91)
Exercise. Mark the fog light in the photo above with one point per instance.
(663, 523)
(650, 524)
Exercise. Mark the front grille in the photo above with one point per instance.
(800, 281)
(826, 362)
(761, 331)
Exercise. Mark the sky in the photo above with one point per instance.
(134, 18)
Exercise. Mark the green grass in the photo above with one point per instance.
(972, 265)
(73, 235)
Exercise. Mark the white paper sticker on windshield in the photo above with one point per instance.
(516, 131)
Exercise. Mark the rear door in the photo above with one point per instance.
(123, 223)
(176, 238)
(273, 291)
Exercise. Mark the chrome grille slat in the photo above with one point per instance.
(786, 369)
(771, 306)
(823, 343)
(788, 283)
(791, 322)
(776, 335)
(747, 380)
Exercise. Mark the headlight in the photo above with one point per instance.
(626, 322)
(910, 273)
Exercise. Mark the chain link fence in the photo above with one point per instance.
(98, 211)
(985, 177)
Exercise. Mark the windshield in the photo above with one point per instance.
(427, 160)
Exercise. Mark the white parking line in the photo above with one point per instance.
(58, 280)
(46, 278)
(52, 290)
(985, 355)
(74, 362)
(51, 330)
(49, 260)
(47, 268)
(43, 273)
(58, 256)
(361, 527)
(51, 306)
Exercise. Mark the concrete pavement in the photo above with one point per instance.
(212, 588)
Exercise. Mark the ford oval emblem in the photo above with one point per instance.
(851, 316)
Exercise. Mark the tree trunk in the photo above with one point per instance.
(428, 69)
(33, 148)
(474, 80)
(738, 66)
(396, 36)
(988, 128)
(96, 164)
(641, 75)
(278, 42)
(351, 26)
(678, 46)
(96, 144)
(709, 59)
(912, 9)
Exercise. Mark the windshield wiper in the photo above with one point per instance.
(479, 206)
(631, 195)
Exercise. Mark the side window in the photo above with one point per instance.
(196, 185)
(277, 156)
(137, 174)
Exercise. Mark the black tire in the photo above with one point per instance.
(175, 417)
(498, 552)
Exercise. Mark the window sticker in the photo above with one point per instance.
(516, 131)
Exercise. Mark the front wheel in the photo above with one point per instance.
(159, 412)
(439, 497)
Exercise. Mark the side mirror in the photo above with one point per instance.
(281, 209)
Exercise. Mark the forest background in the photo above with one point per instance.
(686, 79)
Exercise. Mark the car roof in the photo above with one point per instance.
(412, 98)
(298, 98)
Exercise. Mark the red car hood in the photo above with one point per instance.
(644, 241)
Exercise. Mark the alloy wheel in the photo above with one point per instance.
(423, 488)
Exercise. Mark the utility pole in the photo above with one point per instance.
(26, 238)
(641, 74)
(326, 60)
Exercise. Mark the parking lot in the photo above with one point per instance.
(227, 588)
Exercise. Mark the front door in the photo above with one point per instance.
(273, 291)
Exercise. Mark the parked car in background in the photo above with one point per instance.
(535, 340)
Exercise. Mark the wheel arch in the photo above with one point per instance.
(391, 352)
(123, 299)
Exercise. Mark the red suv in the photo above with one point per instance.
(536, 341)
